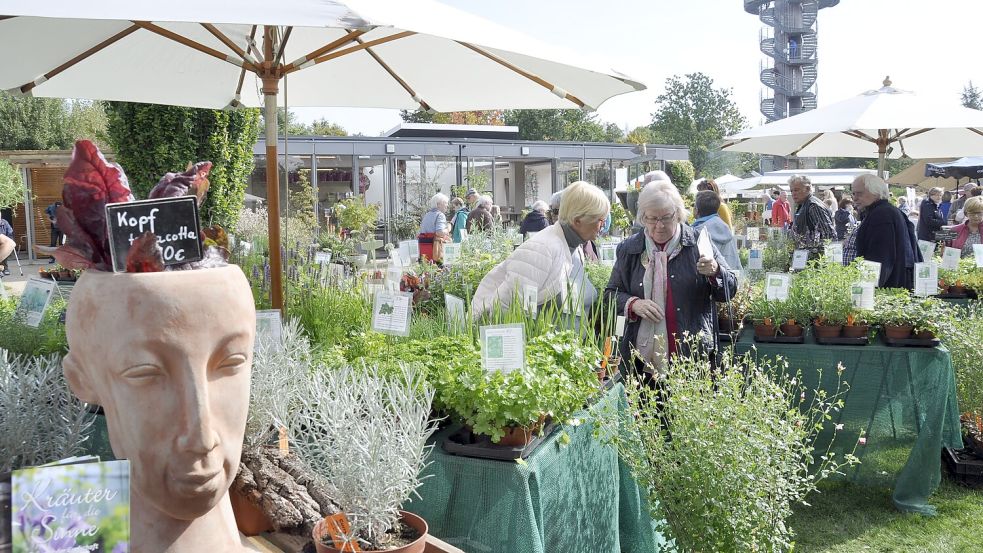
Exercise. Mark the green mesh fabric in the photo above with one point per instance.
(568, 498)
(904, 399)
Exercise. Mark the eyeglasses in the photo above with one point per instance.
(665, 219)
(974, 213)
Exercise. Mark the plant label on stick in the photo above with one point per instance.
(174, 221)
(452, 252)
(455, 311)
(530, 299)
(872, 270)
(619, 326)
(926, 278)
(269, 328)
(395, 258)
(927, 248)
(340, 531)
(799, 259)
(322, 258)
(773, 233)
(950, 258)
(776, 286)
(35, 300)
(609, 254)
(517, 240)
(978, 254)
(753, 234)
(834, 252)
(283, 442)
(754, 260)
(863, 294)
(503, 347)
(703, 244)
(391, 313)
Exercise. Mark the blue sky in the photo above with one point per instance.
(932, 47)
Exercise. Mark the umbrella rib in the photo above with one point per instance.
(47, 76)
(409, 90)
(806, 145)
(352, 35)
(860, 135)
(185, 41)
(909, 135)
(283, 46)
(230, 43)
(975, 130)
(352, 49)
(536, 79)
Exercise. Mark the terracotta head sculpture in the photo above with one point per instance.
(168, 356)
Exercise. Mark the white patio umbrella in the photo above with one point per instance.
(883, 123)
(357, 53)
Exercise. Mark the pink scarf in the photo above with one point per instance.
(653, 338)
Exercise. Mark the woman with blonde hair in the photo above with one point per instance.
(724, 211)
(434, 229)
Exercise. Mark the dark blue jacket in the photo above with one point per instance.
(535, 221)
(930, 220)
(692, 294)
(888, 237)
(6, 229)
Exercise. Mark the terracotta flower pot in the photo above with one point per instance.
(250, 519)
(518, 436)
(416, 546)
(957, 289)
(827, 331)
(855, 331)
(764, 331)
(601, 374)
(897, 332)
(791, 330)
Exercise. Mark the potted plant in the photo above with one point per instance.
(730, 316)
(359, 220)
(929, 315)
(892, 310)
(763, 312)
(857, 324)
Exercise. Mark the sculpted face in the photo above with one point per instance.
(168, 356)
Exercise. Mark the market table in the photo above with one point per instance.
(566, 498)
(903, 400)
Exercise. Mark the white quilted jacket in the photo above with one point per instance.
(543, 261)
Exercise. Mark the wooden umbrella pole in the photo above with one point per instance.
(270, 90)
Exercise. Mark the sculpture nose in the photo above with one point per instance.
(197, 434)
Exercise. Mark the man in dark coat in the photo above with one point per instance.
(812, 226)
(885, 235)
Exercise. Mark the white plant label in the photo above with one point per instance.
(409, 250)
(926, 278)
(609, 254)
(391, 313)
(503, 347)
(927, 248)
(873, 271)
(950, 258)
(464, 234)
(394, 275)
(978, 253)
(269, 328)
(619, 326)
(863, 295)
(396, 258)
(834, 252)
(776, 286)
(517, 240)
(799, 259)
(452, 252)
(753, 234)
(322, 257)
(703, 244)
(530, 299)
(773, 233)
(455, 311)
(35, 299)
(755, 261)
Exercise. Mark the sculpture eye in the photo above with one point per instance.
(142, 373)
(232, 364)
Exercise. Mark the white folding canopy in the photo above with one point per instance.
(358, 53)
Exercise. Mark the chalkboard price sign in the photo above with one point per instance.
(173, 220)
(945, 235)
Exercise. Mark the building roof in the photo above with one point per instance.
(441, 130)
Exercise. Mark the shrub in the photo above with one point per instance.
(682, 174)
(47, 338)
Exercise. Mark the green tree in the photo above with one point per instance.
(28, 123)
(323, 127)
(150, 140)
(562, 124)
(87, 119)
(320, 127)
(682, 174)
(972, 96)
(692, 112)
(892, 166)
(11, 185)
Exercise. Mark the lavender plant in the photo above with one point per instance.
(40, 419)
(365, 435)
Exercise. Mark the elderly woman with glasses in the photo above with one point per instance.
(663, 286)
(970, 230)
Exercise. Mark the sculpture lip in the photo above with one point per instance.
(198, 478)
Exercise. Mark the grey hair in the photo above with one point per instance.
(656, 176)
(802, 179)
(437, 198)
(541, 206)
(485, 201)
(661, 194)
(875, 185)
(555, 200)
(583, 199)
(935, 190)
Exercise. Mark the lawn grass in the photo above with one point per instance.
(846, 517)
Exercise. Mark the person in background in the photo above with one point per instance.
(724, 211)
(7, 245)
(843, 218)
(769, 204)
(535, 220)
(471, 197)
(56, 235)
(707, 203)
(781, 212)
(460, 218)
(930, 219)
(903, 205)
(496, 215)
(551, 260)
(829, 199)
(968, 232)
(664, 287)
(885, 235)
(480, 217)
(813, 223)
(956, 214)
(946, 204)
(554, 212)
(434, 228)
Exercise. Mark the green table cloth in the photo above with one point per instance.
(567, 498)
(902, 400)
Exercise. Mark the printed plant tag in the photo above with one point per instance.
(872, 270)
(777, 285)
(609, 254)
(452, 252)
(926, 278)
(799, 259)
(978, 253)
(834, 252)
(950, 258)
(337, 527)
(863, 295)
(283, 441)
(530, 299)
(391, 313)
(753, 234)
(503, 347)
(619, 327)
(927, 248)
(755, 261)
(456, 317)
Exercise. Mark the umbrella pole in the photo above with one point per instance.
(273, 192)
(881, 152)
